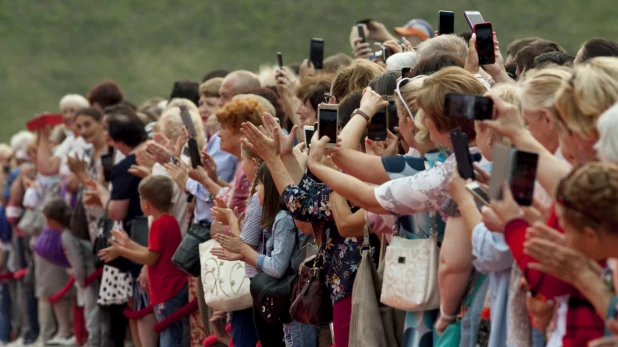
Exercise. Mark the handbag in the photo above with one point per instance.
(187, 255)
(104, 233)
(49, 246)
(311, 303)
(139, 230)
(225, 286)
(411, 273)
(452, 334)
(372, 323)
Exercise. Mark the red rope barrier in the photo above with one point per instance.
(133, 315)
(63, 291)
(93, 276)
(7, 276)
(182, 312)
(20, 273)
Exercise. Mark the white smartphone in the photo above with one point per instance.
(478, 192)
(328, 120)
(473, 18)
(309, 130)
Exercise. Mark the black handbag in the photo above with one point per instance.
(106, 225)
(187, 255)
(139, 230)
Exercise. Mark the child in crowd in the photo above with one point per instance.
(167, 284)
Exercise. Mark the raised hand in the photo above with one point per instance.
(233, 244)
(140, 171)
(506, 119)
(160, 152)
(210, 166)
(178, 174)
(143, 158)
(224, 216)
(265, 147)
(506, 209)
(286, 142)
(121, 237)
(224, 254)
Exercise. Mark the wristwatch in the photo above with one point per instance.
(360, 113)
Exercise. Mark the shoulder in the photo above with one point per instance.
(284, 220)
(125, 163)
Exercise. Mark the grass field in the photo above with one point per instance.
(53, 47)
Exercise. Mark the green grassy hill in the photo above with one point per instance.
(53, 47)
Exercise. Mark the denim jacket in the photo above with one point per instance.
(279, 245)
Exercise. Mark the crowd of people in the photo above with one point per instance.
(382, 239)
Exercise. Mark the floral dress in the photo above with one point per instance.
(310, 202)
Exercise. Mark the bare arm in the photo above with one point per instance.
(141, 255)
(348, 224)
(117, 209)
(47, 164)
(365, 167)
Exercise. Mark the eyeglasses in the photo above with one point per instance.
(402, 82)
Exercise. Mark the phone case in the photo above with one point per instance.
(187, 121)
(462, 154)
(45, 120)
(196, 160)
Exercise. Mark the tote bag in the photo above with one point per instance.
(225, 286)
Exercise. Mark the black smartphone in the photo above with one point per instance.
(316, 53)
(194, 152)
(473, 107)
(361, 32)
(462, 154)
(376, 129)
(393, 117)
(107, 162)
(446, 22)
(280, 60)
(405, 72)
(187, 121)
(365, 21)
(328, 122)
(385, 53)
(523, 177)
(485, 43)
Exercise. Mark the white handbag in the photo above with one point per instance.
(410, 280)
(225, 286)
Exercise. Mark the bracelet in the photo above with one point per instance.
(446, 316)
(361, 113)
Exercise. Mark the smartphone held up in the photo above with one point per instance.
(469, 106)
(316, 53)
(328, 119)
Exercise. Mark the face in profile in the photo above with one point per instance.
(208, 106)
(230, 139)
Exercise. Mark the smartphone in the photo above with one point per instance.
(405, 72)
(480, 194)
(518, 168)
(473, 18)
(393, 117)
(328, 122)
(187, 121)
(485, 43)
(107, 162)
(316, 53)
(365, 21)
(385, 54)
(361, 32)
(524, 177)
(376, 129)
(309, 130)
(280, 60)
(446, 22)
(470, 106)
(462, 154)
(45, 120)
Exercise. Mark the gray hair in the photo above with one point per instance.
(444, 44)
(74, 100)
(398, 61)
(607, 126)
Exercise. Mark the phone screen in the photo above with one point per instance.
(478, 192)
(376, 130)
(462, 154)
(473, 107)
(308, 135)
(393, 118)
(446, 22)
(524, 176)
(485, 44)
(361, 32)
(316, 54)
(474, 18)
(279, 60)
(327, 125)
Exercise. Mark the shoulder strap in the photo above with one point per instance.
(611, 312)
(477, 286)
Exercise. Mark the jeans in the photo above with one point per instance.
(297, 334)
(5, 313)
(173, 336)
(538, 338)
(243, 328)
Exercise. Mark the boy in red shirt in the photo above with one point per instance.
(167, 284)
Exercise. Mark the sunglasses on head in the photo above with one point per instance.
(402, 82)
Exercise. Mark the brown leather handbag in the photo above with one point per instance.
(312, 303)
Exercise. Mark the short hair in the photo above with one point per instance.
(398, 61)
(539, 88)
(385, 83)
(313, 88)
(210, 88)
(123, 125)
(245, 81)
(264, 103)
(238, 111)
(515, 46)
(186, 90)
(271, 96)
(106, 93)
(430, 65)
(152, 107)
(215, 74)
(598, 47)
(354, 77)
(178, 102)
(170, 124)
(21, 140)
(74, 100)
(435, 87)
(334, 62)
(552, 58)
(90, 112)
(590, 91)
(450, 44)
(58, 211)
(607, 126)
(525, 57)
(347, 107)
(157, 190)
